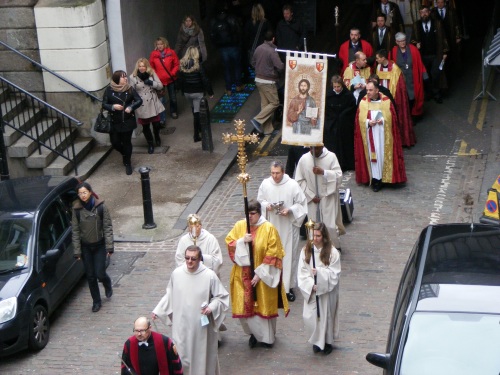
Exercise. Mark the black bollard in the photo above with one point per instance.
(206, 130)
(146, 199)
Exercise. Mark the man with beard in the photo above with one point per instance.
(297, 116)
(377, 143)
(286, 208)
(355, 44)
(429, 37)
(338, 135)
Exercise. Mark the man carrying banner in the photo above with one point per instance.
(319, 175)
(377, 143)
(302, 112)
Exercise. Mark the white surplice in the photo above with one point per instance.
(328, 190)
(288, 191)
(378, 141)
(325, 329)
(206, 241)
(181, 304)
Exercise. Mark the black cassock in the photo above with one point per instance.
(338, 134)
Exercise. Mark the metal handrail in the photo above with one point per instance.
(77, 122)
(43, 67)
(46, 108)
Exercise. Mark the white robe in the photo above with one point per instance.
(326, 329)
(181, 304)
(328, 191)
(288, 191)
(378, 141)
(212, 253)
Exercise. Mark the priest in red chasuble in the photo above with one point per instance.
(377, 144)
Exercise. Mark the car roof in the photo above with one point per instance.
(461, 269)
(27, 193)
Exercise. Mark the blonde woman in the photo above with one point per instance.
(194, 84)
(145, 81)
(190, 34)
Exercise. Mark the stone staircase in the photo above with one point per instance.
(36, 120)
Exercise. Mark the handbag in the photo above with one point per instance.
(251, 52)
(170, 75)
(102, 123)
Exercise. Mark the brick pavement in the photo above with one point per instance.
(375, 249)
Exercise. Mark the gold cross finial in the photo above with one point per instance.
(241, 139)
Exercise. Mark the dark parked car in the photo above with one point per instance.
(446, 318)
(37, 267)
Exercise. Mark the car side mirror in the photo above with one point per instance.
(51, 255)
(379, 359)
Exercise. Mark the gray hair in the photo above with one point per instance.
(400, 36)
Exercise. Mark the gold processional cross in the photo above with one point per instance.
(241, 139)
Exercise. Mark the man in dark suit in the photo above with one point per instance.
(429, 38)
(394, 19)
(382, 36)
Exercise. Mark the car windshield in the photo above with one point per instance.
(452, 343)
(14, 236)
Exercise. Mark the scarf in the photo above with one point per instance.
(89, 205)
(188, 30)
(143, 76)
(120, 88)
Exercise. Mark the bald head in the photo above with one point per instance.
(360, 59)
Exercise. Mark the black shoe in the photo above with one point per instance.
(197, 138)
(268, 345)
(376, 185)
(96, 306)
(174, 116)
(151, 149)
(252, 341)
(328, 349)
(128, 169)
(290, 296)
(109, 292)
(163, 125)
(316, 349)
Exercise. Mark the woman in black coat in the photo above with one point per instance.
(121, 100)
(194, 84)
(340, 110)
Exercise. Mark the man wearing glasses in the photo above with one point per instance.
(257, 317)
(196, 303)
(149, 353)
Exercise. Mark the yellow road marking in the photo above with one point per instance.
(272, 144)
(484, 106)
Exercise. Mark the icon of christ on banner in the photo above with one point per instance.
(304, 105)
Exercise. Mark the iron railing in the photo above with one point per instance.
(36, 119)
(43, 67)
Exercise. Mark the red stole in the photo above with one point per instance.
(161, 356)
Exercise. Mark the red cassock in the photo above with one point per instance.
(418, 70)
(400, 95)
(344, 53)
(394, 172)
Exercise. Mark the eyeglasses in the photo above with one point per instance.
(191, 258)
(141, 331)
(253, 213)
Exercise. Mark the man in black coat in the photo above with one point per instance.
(290, 32)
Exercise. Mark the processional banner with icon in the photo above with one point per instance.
(305, 96)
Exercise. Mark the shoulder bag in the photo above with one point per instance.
(102, 123)
(250, 52)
